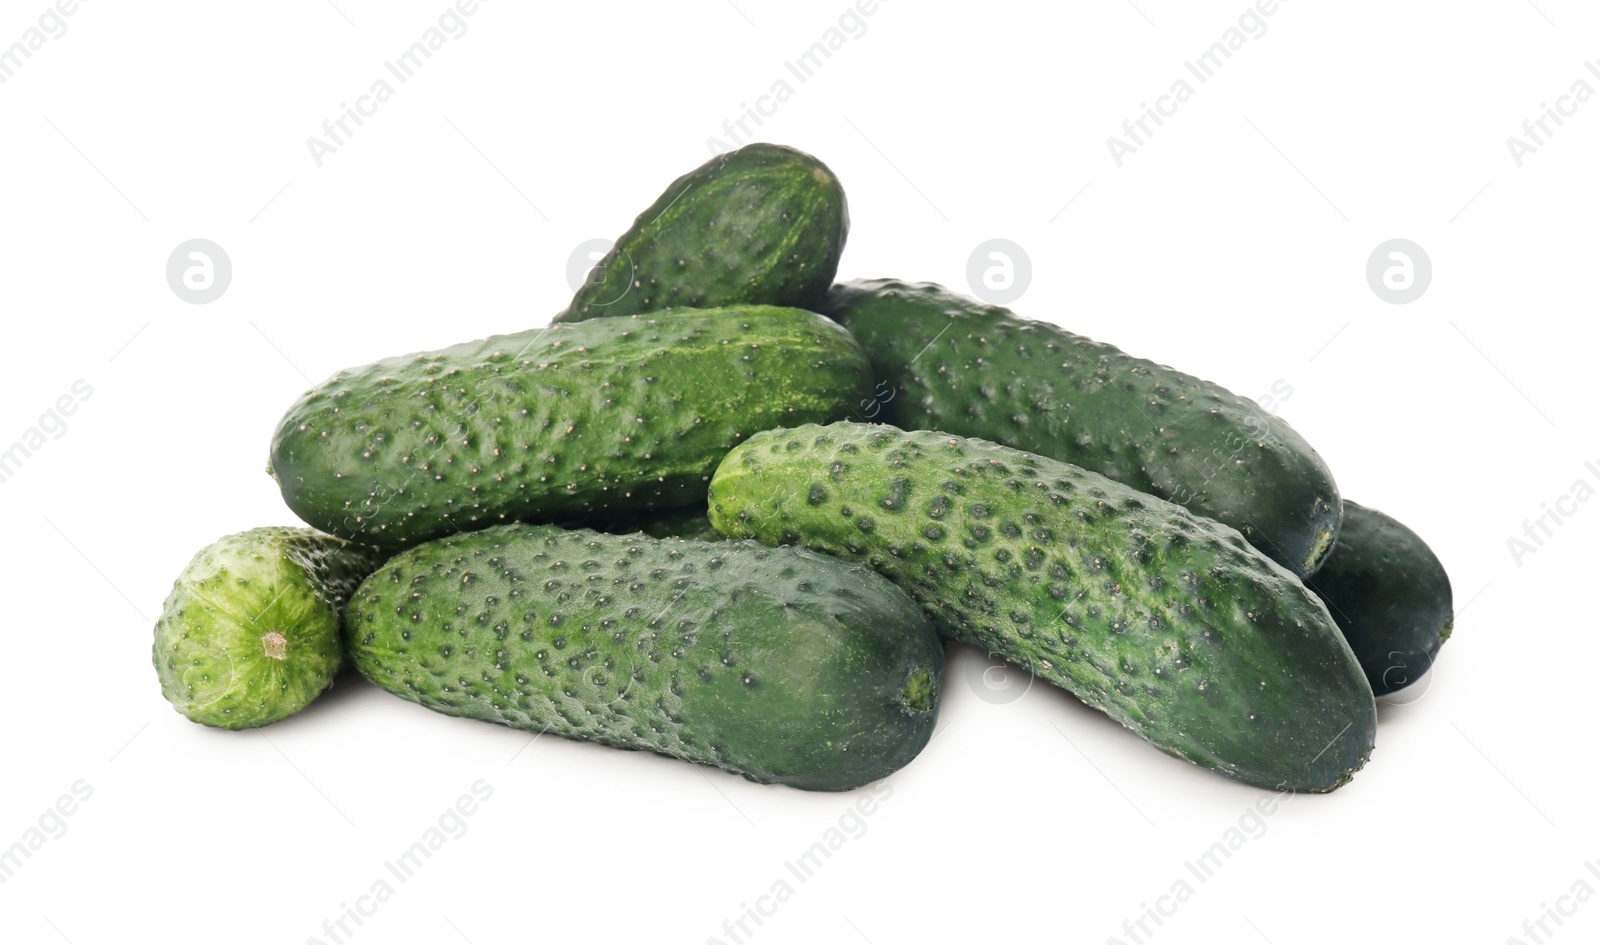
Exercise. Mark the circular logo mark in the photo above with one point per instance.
(584, 272)
(199, 271)
(997, 682)
(1399, 271)
(581, 265)
(999, 271)
(1415, 679)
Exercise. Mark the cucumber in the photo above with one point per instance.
(778, 664)
(606, 417)
(960, 366)
(1389, 595)
(761, 225)
(1170, 623)
(250, 632)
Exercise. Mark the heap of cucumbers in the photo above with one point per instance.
(661, 523)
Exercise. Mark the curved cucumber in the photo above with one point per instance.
(778, 664)
(1170, 623)
(957, 365)
(250, 632)
(764, 224)
(1390, 596)
(605, 417)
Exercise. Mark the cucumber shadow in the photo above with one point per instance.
(337, 700)
(997, 681)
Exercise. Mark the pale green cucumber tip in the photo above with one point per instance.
(274, 645)
(1319, 550)
(919, 691)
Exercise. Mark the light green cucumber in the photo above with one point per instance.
(250, 633)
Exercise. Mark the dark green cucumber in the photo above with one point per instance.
(250, 633)
(778, 664)
(1390, 596)
(607, 417)
(761, 225)
(963, 367)
(1170, 623)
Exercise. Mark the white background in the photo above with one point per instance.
(1233, 245)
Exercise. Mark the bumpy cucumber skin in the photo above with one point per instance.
(764, 224)
(1390, 596)
(600, 418)
(1170, 623)
(250, 633)
(778, 664)
(971, 369)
